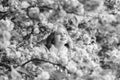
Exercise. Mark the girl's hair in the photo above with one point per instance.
(51, 41)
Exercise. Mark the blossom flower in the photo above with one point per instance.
(6, 35)
(25, 4)
(33, 12)
(43, 76)
(6, 25)
(9, 24)
(72, 66)
(91, 5)
(36, 30)
(4, 39)
(1, 8)
(15, 5)
(105, 17)
(18, 54)
(79, 73)
(86, 39)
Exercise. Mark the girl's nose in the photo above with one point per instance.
(62, 34)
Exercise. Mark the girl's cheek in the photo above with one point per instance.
(57, 38)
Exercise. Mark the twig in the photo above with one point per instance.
(6, 66)
(41, 60)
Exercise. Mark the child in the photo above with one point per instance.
(58, 44)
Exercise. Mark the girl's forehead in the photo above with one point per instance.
(60, 29)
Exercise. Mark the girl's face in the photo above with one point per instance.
(61, 36)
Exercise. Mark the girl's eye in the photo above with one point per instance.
(61, 33)
(65, 33)
(58, 33)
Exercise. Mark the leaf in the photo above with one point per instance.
(1, 78)
(24, 71)
(57, 75)
(3, 15)
(44, 75)
(14, 74)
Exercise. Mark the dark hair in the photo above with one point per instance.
(51, 40)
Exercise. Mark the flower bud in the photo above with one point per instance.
(25, 4)
(33, 12)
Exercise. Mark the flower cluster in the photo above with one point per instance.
(94, 28)
(5, 27)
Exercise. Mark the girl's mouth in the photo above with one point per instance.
(63, 39)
